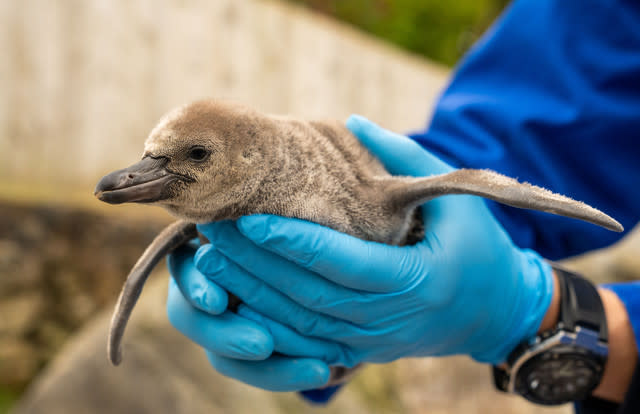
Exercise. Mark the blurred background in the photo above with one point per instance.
(82, 82)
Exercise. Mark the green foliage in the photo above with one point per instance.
(441, 30)
(7, 399)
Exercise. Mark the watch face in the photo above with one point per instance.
(558, 376)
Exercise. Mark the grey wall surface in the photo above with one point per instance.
(83, 82)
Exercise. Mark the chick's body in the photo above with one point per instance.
(316, 171)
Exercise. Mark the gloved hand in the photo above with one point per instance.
(338, 300)
(236, 345)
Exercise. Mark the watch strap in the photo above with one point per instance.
(580, 303)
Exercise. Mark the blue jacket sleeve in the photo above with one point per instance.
(551, 95)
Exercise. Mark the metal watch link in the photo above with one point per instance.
(566, 363)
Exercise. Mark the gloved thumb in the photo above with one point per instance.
(399, 154)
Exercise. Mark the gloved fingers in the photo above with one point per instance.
(267, 300)
(289, 342)
(399, 154)
(216, 230)
(277, 373)
(338, 257)
(227, 334)
(303, 286)
(200, 291)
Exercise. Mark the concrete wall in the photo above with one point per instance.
(82, 82)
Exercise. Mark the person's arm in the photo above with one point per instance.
(623, 349)
(623, 367)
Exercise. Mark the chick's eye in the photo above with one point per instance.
(198, 154)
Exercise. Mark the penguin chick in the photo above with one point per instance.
(213, 160)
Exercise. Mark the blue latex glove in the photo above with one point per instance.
(236, 345)
(321, 294)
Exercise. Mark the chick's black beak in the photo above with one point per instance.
(143, 182)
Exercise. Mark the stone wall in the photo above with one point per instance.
(83, 82)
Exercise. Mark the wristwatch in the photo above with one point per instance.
(566, 363)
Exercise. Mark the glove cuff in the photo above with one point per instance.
(528, 307)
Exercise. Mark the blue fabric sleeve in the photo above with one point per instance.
(551, 95)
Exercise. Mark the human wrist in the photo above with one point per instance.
(623, 350)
